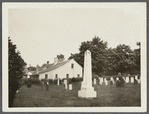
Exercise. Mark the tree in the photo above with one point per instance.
(137, 57)
(16, 67)
(123, 60)
(31, 68)
(97, 48)
(60, 57)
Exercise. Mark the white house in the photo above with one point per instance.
(61, 69)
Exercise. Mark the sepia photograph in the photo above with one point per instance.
(74, 57)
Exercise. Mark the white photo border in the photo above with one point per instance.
(21, 5)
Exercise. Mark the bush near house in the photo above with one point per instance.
(51, 81)
(31, 81)
(74, 80)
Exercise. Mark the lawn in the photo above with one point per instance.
(57, 96)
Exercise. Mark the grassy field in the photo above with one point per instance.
(57, 96)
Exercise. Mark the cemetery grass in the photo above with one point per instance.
(57, 96)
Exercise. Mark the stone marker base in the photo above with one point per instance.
(87, 93)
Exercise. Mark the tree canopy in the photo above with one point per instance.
(109, 60)
(16, 67)
(97, 47)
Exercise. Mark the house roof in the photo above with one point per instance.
(54, 66)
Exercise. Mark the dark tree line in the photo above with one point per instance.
(16, 67)
(109, 61)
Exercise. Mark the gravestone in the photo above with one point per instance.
(42, 84)
(47, 86)
(124, 79)
(127, 80)
(94, 81)
(70, 86)
(136, 77)
(139, 81)
(101, 80)
(58, 81)
(117, 78)
(65, 82)
(106, 82)
(132, 79)
(119, 74)
(87, 90)
(112, 79)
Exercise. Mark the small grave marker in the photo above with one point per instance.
(101, 80)
(117, 78)
(94, 81)
(106, 82)
(127, 79)
(70, 86)
(58, 81)
(132, 79)
(65, 82)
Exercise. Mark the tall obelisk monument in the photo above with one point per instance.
(87, 90)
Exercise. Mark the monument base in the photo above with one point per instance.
(87, 93)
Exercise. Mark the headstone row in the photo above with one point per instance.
(126, 79)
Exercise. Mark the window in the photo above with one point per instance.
(78, 75)
(67, 76)
(46, 76)
(56, 75)
(72, 65)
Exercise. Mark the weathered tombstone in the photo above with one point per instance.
(58, 81)
(117, 78)
(127, 80)
(106, 82)
(101, 80)
(42, 84)
(94, 81)
(112, 79)
(132, 79)
(139, 81)
(87, 90)
(70, 86)
(47, 86)
(119, 74)
(136, 77)
(65, 82)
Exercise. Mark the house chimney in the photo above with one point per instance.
(55, 60)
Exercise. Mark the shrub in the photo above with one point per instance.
(55, 81)
(80, 79)
(25, 81)
(29, 85)
(33, 81)
(73, 80)
(108, 78)
(111, 82)
(69, 81)
(63, 79)
(120, 82)
(50, 81)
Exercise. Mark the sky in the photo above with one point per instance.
(42, 33)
